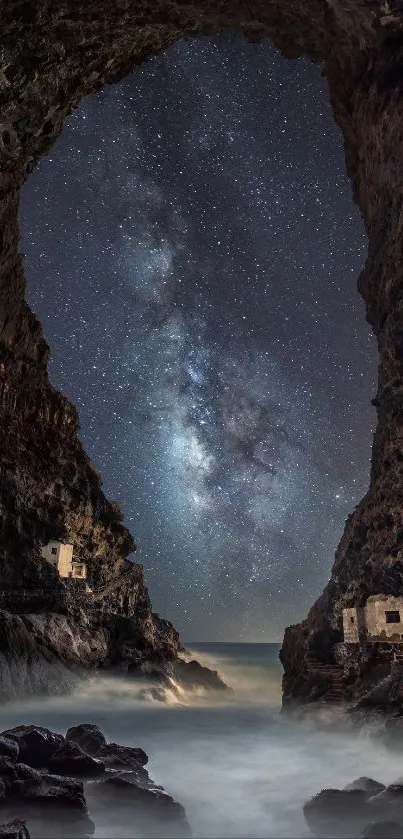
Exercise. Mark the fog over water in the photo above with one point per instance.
(239, 767)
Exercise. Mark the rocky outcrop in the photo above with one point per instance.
(363, 808)
(85, 790)
(52, 56)
(17, 829)
(49, 653)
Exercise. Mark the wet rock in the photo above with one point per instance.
(8, 772)
(153, 672)
(70, 759)
(58, 791)
(191, 674)
(36, 744)
(24, 778)
(54, 806)
(58, 808)
(367, 785)
(388, 804)
(18, 777)
(115, 756)
(383, 830)
(2, 790)
(89, 737)
(17, 829)
(151, 809)
(9, 748)
(337, 813)
(28, 773)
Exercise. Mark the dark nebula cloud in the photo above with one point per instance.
(192, 249)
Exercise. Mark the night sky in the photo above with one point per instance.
(192, 250)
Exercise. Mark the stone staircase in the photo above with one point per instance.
(334, 674)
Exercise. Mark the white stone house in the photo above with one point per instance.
(60, 555)
(381, 619)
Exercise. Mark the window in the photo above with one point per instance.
(351, 619)
(53, 550)
(392, 617)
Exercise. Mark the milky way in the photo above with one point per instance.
(192, 249)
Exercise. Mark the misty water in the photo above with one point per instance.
(239, 767)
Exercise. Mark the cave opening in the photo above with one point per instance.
(191, 248)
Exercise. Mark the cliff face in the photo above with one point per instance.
(51, 638)
(53, 55)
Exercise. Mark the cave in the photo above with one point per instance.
(51, 60)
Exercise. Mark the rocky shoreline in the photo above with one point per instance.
(61, 787)
(364, 808)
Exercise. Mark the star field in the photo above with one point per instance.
(192, 250)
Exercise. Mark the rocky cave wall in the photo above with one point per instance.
(53, 54)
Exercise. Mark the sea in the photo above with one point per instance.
(239, 766)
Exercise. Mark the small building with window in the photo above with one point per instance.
(381, 619)
(60, 555)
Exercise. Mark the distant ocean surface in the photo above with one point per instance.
(239, 767)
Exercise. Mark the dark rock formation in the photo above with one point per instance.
(173, 675)
(36, 745)
(89, 737)
(70, 759)
(17, 829)
(58, 806)
(336, 813)
(91, 740)
(47, 653)
(151, 807)
(191, 674)
(383, 830)
(363, 808)
(122, 757)
(368, 785)
(9, 748)
(51, 57)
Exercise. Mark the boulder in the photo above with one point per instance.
(24, 779)
(191, 674)
(122, 757)
(89, 737)
(153, 810)
(36, 744)
(58, 791)
(28, 773)
(17, 829)
(383, 830)
(387, 804)
(70, 759)
(9, 748)
(8, 772)
(55, 807)
(367, 785)
(18, 778)
(337, 813)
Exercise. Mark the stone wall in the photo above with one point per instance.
(353, 624)
(375, 617)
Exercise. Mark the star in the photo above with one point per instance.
(192, 247)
